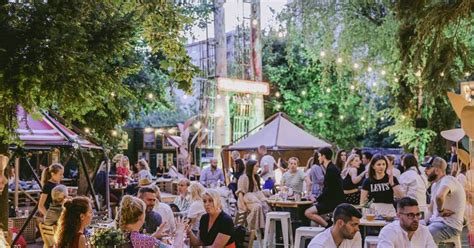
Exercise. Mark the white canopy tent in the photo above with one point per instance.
(280, 133)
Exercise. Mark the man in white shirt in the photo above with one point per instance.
(267, 162)
(165, 211)
(345, 231)
(407, 231)
(448, 201)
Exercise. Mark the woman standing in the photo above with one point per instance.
(76, 216)
(250, 196)
(341, 158)
(380, 187)
(315, 179)
(131, 218)
(293, 178)
(351, 180)
(50, 178)
(412, 183)
(216, 228)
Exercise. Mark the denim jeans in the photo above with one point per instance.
(441, 231)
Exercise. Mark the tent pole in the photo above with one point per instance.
(89, 183)
(26, 224)
(34, 173)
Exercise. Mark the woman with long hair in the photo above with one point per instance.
(196, 209)
(351, 180)
(315, 179)
(251, 197)
(216, 228)
(341, 158)
(380, 187)
(412, 182)
(50, 178)
(131, 218)
(76, 216)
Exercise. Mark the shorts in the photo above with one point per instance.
(324, 208)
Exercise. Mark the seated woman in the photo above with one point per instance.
(131, 218)
(216, 228)
(76, 216)
(251, 197)
(59, 195)
(381, 187)
(293, 178)
(50, 178)
(196, 209)
(351, 181)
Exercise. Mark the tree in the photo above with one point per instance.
(320, 95)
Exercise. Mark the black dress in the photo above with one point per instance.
(223, 224)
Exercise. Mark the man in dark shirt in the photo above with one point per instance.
(152, 219)
(332, 194)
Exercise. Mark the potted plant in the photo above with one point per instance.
(109, 237)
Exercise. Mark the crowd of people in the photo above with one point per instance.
(428, 202)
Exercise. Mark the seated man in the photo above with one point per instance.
(152, 219)
(407, 231)
(59, 195)
(345, 232)
(448, 201)
(332, 193)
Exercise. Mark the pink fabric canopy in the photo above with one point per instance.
(46, 131)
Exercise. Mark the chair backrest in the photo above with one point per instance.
(240, 219)
(47, 234)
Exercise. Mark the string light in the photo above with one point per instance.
(339, 60)
(322, 54)
(356, 66)
(277, 94)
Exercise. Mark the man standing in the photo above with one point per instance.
(345, 232)
(332, 194)
(267, 162)
(212, 175)
(448, 201)
(152, 218)
(407, 231)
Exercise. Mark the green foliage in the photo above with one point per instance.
(95, 63)
(316, 94)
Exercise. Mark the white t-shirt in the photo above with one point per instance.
(166, 215)
(269, 161)
(414, 185)
(455, 201)
(393, 236)
(325, 240)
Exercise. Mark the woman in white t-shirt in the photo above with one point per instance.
(196, 209)
(413, 183)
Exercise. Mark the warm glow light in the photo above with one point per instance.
(242, 86)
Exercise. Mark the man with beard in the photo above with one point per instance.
(153, 220)
(345, 231)
(448, 201)
(211, 175)
(407, 231)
